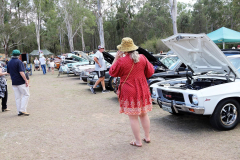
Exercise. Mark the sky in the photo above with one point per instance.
(187, 1)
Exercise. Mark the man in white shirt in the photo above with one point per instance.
(100, 68)
(43, 64)
(36, 64)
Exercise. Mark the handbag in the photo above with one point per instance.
(118, 92)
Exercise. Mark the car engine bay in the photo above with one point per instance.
(196, 83)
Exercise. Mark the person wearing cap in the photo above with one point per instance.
(100, 68)
(20, 86)
(133, 92)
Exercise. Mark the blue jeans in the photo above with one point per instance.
(43, 68)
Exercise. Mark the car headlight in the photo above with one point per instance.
(193, 99)
(95, 77)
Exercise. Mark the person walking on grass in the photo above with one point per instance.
(100, 68)
(20, 86)
(52, 64)
(133, 92)
(3, 91)
(36, 64)
(43, 64)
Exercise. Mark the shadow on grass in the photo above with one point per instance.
(185, 123)
(114, 99)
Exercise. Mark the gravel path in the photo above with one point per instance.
(68, 122)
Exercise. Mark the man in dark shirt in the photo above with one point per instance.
(16, 70)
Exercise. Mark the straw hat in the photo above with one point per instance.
(127, 45)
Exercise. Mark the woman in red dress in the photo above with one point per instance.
(133, 92)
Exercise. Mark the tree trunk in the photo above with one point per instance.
(60, 37)
(173, 13)
(100, 24)
(83, 43)
(6, 40)
(37, 26)
(69, 28)
(70, 36)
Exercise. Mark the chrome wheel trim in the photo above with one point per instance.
(228, 114)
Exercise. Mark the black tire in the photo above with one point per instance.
(111, 84)
(226, 115)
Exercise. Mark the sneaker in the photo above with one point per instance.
(105, 91)
(4, 110)
(92, 90)
(23, 113)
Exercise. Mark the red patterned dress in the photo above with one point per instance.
(134, 95)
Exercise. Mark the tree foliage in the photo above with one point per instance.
(145, 21)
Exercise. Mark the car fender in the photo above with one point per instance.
(213, 95)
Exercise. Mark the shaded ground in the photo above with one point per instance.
(68, 122)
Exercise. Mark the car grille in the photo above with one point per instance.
(173, 96)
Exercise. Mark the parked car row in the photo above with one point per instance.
(197, 79)
(75, 64)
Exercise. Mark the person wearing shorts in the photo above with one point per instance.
(36, 64)
(100, 68)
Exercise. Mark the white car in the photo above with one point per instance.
(78, 69)
(216, 93)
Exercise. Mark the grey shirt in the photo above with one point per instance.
(101, 60)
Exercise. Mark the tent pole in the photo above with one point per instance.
(223, 45)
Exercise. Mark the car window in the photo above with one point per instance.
(170, 62)
(236, 63)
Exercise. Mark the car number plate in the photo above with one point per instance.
(167, 108)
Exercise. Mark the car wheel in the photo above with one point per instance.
(111, 84)
(226, 115)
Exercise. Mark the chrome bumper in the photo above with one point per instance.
(180, 106)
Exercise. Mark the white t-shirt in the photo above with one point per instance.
(101, 60)
(42, 60)
(41, 54)
(63, 58)
(36, 61)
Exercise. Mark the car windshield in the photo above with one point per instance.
(80, 59)
(170, 62)
(235, 62)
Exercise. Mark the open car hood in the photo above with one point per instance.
(200, 53)
(150, 57)
(108, 57)
(84, 55)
